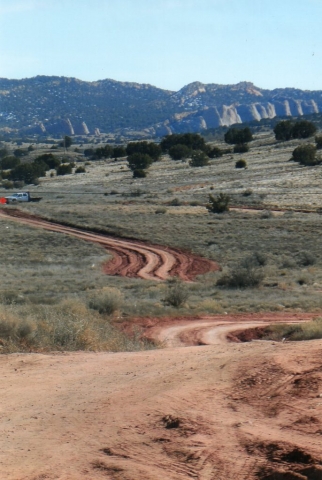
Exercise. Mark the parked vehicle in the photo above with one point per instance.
(21, 197)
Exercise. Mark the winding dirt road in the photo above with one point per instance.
(131, 258)
(201, 408)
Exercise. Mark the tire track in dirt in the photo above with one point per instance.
(211, 329)
(131, 258)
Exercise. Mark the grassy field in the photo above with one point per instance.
(168, 208)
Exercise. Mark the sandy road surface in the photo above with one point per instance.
(221, 411)
(211, 410)
(131, 258)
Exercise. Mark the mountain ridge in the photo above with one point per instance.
(67, 105)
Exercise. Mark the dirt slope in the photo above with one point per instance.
(131, 258)
(225, 411)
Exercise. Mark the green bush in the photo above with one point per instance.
(286, 129)
(139, 161)
(80, 170)
(241, 163)
(149, 148)
(305, 259)
(107, 301)
(303, 129)
(283, 130)
(118, 152)
(64, 169)
(49, 159)
(241, 148)
(305, 155)
(139, 173)
(176, 294)
(179, 152)
(243, 276)
(219, 204)
(7, 163)
(193, 141)
(199, 159)
(238, 136)
(26, 172)
(318, 141)
(215, 152)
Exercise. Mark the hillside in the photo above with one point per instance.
(57, 105)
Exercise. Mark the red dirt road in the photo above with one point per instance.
(131, 258)
(222, 411)
(201, 408)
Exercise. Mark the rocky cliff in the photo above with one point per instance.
(58, 105)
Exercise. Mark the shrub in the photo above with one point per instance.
(176, 294)
(64, 169)
(89, 152)
(238, 136)
(307, 331)
(175, 202)
(303, 129)
(199, 159)
(266, 214)
(286, 129)
(107, 301)
(215, 152)
(219, 204)
(305, 259)
(139, 161)
(243, 276)
(193, 141)
(27, 173)
(318, 142)
(4, 152)
(248, 192)
(283, 130)
(7, 163)
(49, 159)
(149, 148)
(305, 155)
(241, 148)
(161, 210)
(241, 163)
(80, 170)
(257, 259)
(179, 152)
(139, 173)
(118, 152)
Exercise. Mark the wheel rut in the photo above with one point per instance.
(131, 258)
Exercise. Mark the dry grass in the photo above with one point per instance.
(308, 331)
(47, 267)
(67, 326)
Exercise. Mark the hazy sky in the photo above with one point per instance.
(167, 43)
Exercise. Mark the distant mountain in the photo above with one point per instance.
(60, 105)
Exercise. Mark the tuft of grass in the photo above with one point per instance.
(242, 276)
(106, 301)
(176, 294)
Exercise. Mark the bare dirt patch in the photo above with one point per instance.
(177, 413)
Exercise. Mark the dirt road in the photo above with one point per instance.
(222, 411)
(131, 258)
(201, 408)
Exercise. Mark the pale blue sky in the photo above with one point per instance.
(167, 43)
